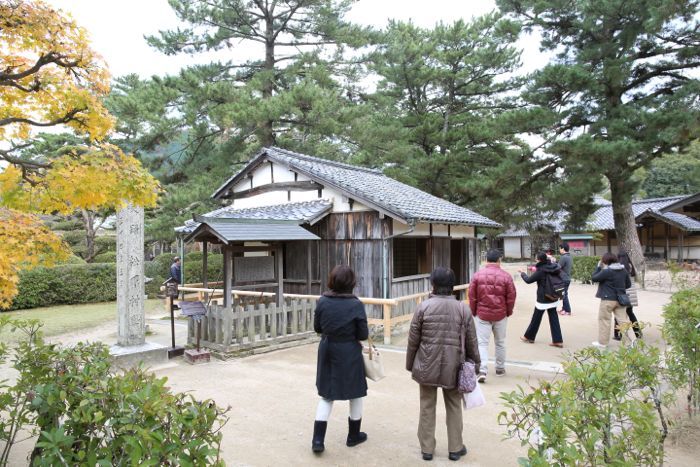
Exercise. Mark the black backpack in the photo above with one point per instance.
(555, 284)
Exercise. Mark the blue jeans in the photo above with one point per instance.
(566, 306)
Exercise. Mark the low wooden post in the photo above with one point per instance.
(386, 312)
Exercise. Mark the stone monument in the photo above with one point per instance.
(132, 347)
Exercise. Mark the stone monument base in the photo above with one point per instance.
(149, 354)
(195, 356)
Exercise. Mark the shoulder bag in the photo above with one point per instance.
(466, 376)
(374, 366)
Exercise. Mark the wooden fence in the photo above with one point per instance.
(254, 320)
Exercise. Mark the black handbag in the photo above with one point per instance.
(624, 299)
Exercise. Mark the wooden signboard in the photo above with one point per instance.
(254, 269)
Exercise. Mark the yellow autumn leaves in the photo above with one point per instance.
(50, 76)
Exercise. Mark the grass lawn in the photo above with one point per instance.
(66, 318)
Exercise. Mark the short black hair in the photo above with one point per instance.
(609, 258)
(341, 279)
(443, 280)
(542, 256)
(564, 246)
(493, 255)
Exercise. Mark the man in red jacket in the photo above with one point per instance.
(491, 299)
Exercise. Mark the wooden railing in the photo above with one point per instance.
(245, 300)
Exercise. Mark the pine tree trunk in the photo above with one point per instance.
(626, 227)
(268, 134)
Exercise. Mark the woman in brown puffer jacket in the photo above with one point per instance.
(433, 357)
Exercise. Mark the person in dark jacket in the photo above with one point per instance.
(434, 354)
(624, 259)
(341, 320)
(566, 263)
(491, 299)
(543, 267)
(176, 270)
(612, 280)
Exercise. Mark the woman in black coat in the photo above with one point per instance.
(341, 320)
(629, 267)
(543, 304)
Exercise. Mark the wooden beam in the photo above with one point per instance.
(205, 278)
(280, 273)
(228, 276)
(308, 267)
(280, 186)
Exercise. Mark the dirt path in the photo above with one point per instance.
(273, 397)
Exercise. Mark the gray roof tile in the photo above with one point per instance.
(602, 218)
(374, 188)
(302, 212)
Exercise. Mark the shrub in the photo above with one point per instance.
(163, 262)
(583, 267)
(72, 259)
(67, 284)
(66, 225)
(681, 318)
(104, 243)
(87, 413)
(215, 268)
(106, 257)
(195, 256)
(608, 410)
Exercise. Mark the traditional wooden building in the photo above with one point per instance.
(393, 235)
(668, 229)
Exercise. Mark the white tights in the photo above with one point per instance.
(323, 411)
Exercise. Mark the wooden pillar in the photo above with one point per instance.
(308, 266)
(205, 277)
(607, 233)
(667, 251)
(228, 275)
(280, 273)
(680, 246)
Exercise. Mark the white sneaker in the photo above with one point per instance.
(481, 378)
(598, 345)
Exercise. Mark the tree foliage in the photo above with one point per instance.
(445, 116)
(51, 77)
(674, 174)
(612, 93)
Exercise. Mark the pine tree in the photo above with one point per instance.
(620, 89)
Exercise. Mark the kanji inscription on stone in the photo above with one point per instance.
(131, 317)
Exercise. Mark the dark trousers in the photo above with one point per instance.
(534, 326)
(566, 306)
(635, 325)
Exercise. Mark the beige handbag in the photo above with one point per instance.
(632, 294)
(374, 367)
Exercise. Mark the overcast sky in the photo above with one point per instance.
(117, 28)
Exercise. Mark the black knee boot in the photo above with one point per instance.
(319, 436)
(355, 436)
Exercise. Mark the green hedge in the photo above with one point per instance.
(583, 267)
(66, 285)
(106, 257)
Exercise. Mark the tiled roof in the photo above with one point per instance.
(602, 218)
(302, 212)
(373, 188)
(237, 230)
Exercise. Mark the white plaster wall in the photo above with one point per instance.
(462, 231)
(298, 196)
(511, 247)
(439, 230)
(282, 174)
(263, 199)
